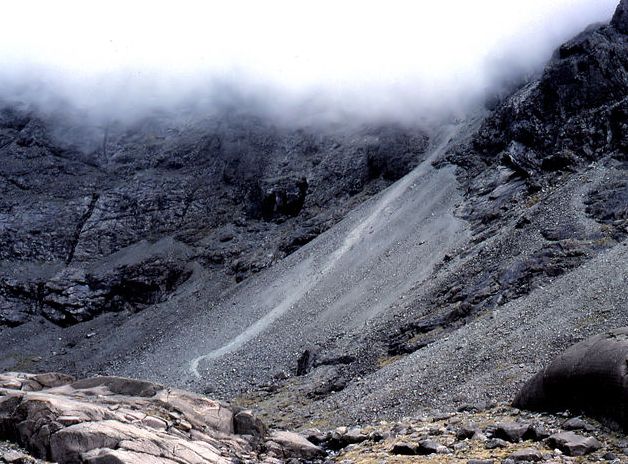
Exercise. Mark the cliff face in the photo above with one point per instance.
(115, 217)
(575, 113)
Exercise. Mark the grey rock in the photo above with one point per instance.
(466, 431)
(576, 423)
(296, 445)
(246, 423)
(511, 431)
(102, 420)
(572, 444)
(461, 446)
(405, 449)
(316, 436)
(428, 447)
(494, 443)
(536, 432)
(610, 456)
(620, 18)
(16, 457)
(527, 455)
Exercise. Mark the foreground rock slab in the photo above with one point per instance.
(105, 420)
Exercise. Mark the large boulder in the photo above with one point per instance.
(590, 377)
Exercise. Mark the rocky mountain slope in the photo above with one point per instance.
(115, 218)
(325, 276)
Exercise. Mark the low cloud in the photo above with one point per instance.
(319, 60)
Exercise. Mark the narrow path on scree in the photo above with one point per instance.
(314, 273)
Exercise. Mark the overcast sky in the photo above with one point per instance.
(358, 54)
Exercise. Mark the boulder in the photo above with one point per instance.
(495, 443)
(574, 445)
(405, 449)
(466, 431)
(295, 445)
(246, 423)
(575, 423)
(526, 455)
(536, 433)
(512, 431)
(428, 447)
(589, 377)
(15, 457)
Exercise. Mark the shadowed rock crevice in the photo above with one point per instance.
(75, 295)
(79, 227)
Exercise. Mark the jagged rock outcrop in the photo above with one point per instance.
(620, 18)
(118, 420)
(590, 377)
(576, 112)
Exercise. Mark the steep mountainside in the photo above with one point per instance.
(325, 276)
(113, 218)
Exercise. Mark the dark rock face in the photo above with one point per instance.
(620, 19)
(512, 432)
(231, 193)
(609, 205)
(589, 377)
(576, 112)
(74, 296)
(542, 127)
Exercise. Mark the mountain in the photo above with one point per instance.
(326, 275)
(110, 218)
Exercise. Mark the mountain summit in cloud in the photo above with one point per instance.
(368, 60)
